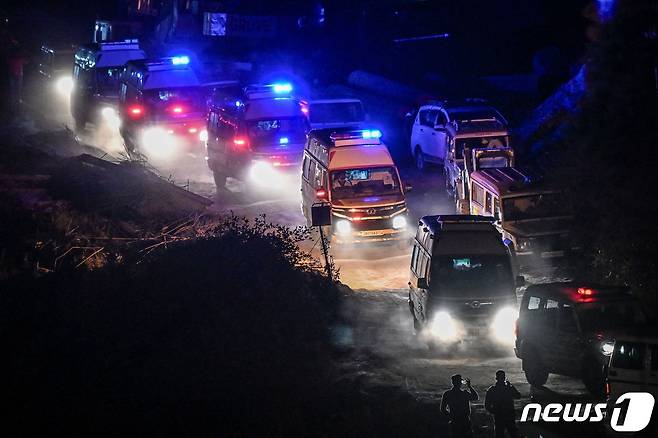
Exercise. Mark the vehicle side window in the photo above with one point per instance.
(318, 176)
(533, 303)
(488, 202)
(654, 357)
(567, 320)
(414, 258)
(305, 166)
(477, 194)
(422, 116)
(311, 171)
(496, 203)
(548, 315)
(441, 119)
(628, 355)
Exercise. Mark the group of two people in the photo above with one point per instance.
(499, 401)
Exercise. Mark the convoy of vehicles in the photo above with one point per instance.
(569, 329)
(438, 127)
(462, 286)
(354, 172)
(95, 94)
(256, 137)
(162, 108)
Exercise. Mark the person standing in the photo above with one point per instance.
(499, 401)
(456, 405)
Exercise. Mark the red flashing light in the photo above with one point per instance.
(239, 141)
(584, 291)
(135, 111)
(321, 193)
(177, 109)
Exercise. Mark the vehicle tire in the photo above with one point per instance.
(220, 180)
(593, 378)
(419, 159)
(535, 372)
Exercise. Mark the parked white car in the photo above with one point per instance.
(430, 136)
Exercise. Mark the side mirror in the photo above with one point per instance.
(408, 188)
(520, 280)
(422, 283)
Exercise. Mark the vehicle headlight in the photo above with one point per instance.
(399, 222)
(203, 135)
(158, 143)
(64, 85)
(522, 244)
(343, 226)
(503, 323)
(111, 117)
(607, 348)
(443, 327)
(264, 175)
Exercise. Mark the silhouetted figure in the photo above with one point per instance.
(499, 401)
(455, 404)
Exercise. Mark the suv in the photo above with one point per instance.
(162, 109)
(461, 284)
(96, 76)
(254, 138)
(569, 329)
(440, 126)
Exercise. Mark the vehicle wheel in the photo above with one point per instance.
(535, 371)
(220, 180)
(420, 159)
(593, 378)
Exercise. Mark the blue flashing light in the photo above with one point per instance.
(283, 140)
(180, 60)
(238, 103)
(282, 88)
(373, 133)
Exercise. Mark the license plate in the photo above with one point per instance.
(371, 233)
(551, 254)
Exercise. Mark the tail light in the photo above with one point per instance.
(135, 111)
(240, 143)
(321, 194)
(608, 389)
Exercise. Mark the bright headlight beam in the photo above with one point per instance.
(502, 326)
(399, 222)
(443, 327)
(64, 85)
(343, 227)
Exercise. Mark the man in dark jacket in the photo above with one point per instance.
(455, 404)
(499, 401)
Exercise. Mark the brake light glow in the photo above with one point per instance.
(177, 109)
(584, 291)
(321, 193)
(135, 111)
(192, 130)
(239, 142)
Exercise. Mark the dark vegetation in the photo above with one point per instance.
(606, 153)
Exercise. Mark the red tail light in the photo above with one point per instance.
(240, 143)
(177, 109)
(608, 389)
(136, 111)
(321, 194)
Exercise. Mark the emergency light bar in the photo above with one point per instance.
(366, 134)
(180, 60)
(265, 91)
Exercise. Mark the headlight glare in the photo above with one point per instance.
(399, 222)
(503, 325)
(343, 227)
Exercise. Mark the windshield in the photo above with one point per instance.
(174, 101)
(345, 112)
(270, 131)
(611, 315)
(489, 273)
(357, 183)
(473, 114)
(108, 80)
(479, 142)
(543, 205)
